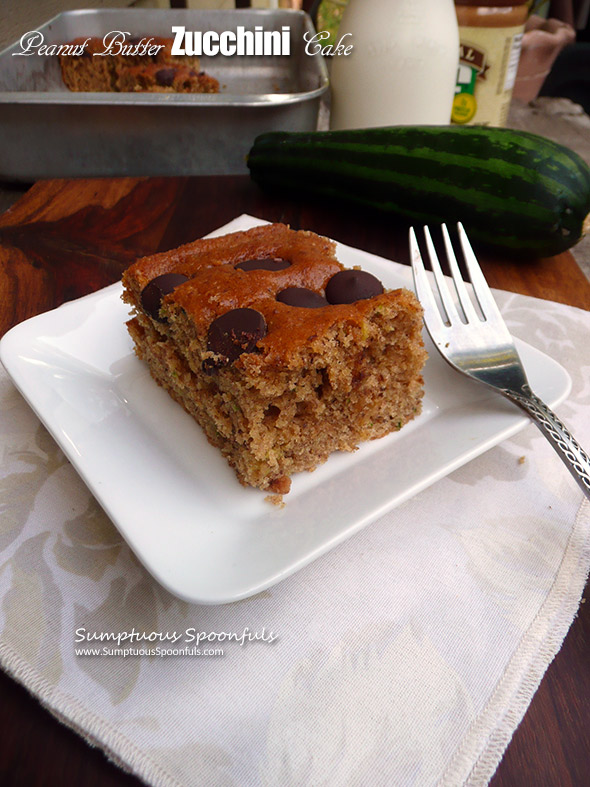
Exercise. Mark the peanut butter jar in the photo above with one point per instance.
(490, 34)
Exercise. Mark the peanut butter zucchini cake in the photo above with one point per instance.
(148, 66)
(280, 353)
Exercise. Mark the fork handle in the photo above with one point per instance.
(569, 450)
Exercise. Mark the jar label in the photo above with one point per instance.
(488, 61)
(513, 62)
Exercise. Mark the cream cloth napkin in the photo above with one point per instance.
(406, 656)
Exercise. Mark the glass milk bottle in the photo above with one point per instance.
(402, 69)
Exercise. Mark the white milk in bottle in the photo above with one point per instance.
(402, 69)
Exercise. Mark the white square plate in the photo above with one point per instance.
(173, 497)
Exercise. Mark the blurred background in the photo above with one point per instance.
(555, 59)
(20, 16)
(551, 94)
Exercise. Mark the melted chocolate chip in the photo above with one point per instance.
(263, 264)
(349, 286)
(152, 293)
(234, 333)
(165, 77)
(300, 296)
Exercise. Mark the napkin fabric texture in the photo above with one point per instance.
(406, 656)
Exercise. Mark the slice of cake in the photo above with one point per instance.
(280, 354)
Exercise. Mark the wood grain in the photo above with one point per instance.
(64, 239)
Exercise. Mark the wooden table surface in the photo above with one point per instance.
(64, 239)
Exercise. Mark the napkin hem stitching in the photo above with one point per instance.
(531, 659)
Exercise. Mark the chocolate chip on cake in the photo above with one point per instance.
(263, 264)
(152, 293)
(349, 286)
(235, 332)
(165, 77)
(302, 297)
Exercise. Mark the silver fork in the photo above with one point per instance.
(483, 348)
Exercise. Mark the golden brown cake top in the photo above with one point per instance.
(299, 298)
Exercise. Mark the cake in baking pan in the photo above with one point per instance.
(146, 65)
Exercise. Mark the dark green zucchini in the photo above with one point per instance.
(511, 189)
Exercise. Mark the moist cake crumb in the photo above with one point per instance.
(276, 500)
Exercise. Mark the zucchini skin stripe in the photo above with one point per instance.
(513, 190)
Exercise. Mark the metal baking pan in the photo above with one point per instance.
(46, 131)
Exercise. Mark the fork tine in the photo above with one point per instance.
(486, 301)
(462, 294)
(452, 314)
(422, 285)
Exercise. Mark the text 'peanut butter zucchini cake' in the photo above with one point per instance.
(280, 353)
